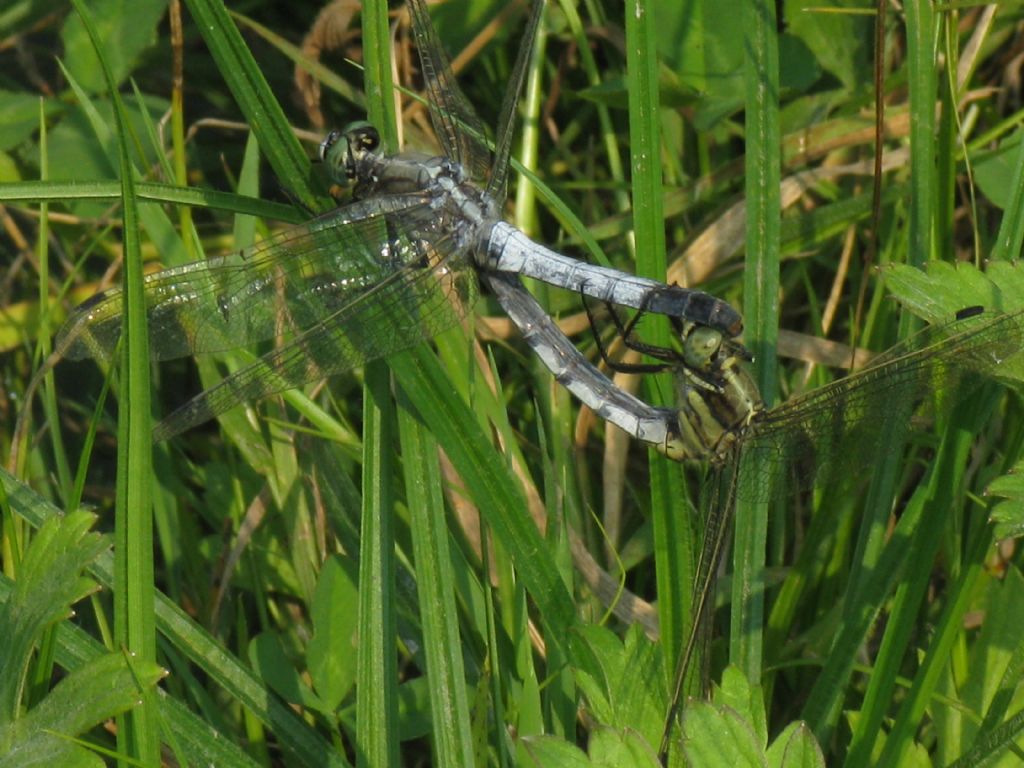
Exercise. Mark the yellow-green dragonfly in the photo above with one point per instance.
(845, 425)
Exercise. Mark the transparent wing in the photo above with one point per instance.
(458, 127)
(717, 499)
(849, 422)
(285, 284)
(456, 123)
(841, 425)
(408, 306)
(498, 182)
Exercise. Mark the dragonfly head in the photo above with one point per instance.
(707, 353)
(343, 151)
(700, 345)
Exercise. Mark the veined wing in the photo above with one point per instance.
(845, 421)
(459, 128)
(841, 424)
(496, 186)
(718, 499)
(418, 301)
(287, 283)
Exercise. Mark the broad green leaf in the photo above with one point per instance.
(841, 42)
(612, 748)
(718, 737)
(551, 752)
(795, 747)
(273, 665)
(995, 170)
(50, 580)
(940, 290)
(19, 116)
(331, 652)
(126, 27)
(93, 693)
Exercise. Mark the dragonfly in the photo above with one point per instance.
(397, 265)
(838, 426)
(845, 425)
(657, 426)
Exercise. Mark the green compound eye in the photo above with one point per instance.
(341, 150)
(363, 137)
(700, 346)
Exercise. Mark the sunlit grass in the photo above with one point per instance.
(525, 535)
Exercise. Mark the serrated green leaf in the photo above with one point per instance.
(49, 581)
(795, 747)
(717, 737)
(624, 681)
(1009, 276)
(942, 289)
(747, 701)
(613, 748)
(99, 690)
(1008, 515)
(551, 752)
(641, 687)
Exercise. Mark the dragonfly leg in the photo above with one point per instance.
(625, 331)
(698, 369)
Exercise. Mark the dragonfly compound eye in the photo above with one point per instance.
(336, 155)
(362, 137)
(700, 346)
(325, 146)
(343, 150)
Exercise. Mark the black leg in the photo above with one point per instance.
(625, 331)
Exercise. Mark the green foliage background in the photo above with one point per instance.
(542, 647)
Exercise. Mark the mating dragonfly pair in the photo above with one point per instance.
(374, 277)
(403, 261)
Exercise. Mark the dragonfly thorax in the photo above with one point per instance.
(434, 193)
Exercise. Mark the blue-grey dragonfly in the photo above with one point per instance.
(397, 265)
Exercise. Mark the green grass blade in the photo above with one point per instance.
(377, 674)
(451, 733)
(1011, 229)
(134, 625)
(761, 315)
(493, 489)
(645, 139)
(921, 35)
(42, 254)
(673, 554)
(947, 474)
(259, 105)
